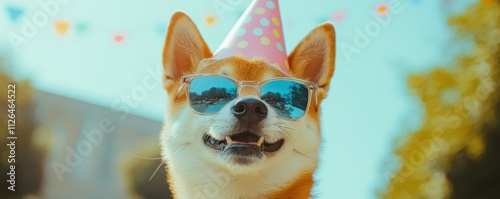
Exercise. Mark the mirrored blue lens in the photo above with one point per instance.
(287, 97)
(208, 94)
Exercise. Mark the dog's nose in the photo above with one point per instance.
(249, 110)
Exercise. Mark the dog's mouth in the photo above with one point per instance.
(243, 144)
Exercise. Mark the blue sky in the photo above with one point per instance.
(109, 49)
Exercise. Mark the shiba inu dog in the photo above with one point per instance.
(239, 127)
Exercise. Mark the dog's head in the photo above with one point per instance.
(237, 126)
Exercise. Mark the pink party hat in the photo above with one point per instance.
(257, 34)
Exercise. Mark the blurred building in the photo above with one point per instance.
(85, 160)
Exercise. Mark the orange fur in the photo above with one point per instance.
(304, 62)
(300, 188)
(184, 50)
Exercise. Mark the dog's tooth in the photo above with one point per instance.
(260, 141)
(229, 140)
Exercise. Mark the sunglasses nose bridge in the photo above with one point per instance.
(248, 88)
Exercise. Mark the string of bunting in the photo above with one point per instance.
(63, 27)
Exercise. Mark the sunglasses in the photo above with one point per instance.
(208, 93)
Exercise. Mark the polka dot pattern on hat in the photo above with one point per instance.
(241, 32)
(276, 33)
(248, 19)
(258, 34)
(258, 31)
(265, 41)
(242, 44)
(264, 22)
(270, 4)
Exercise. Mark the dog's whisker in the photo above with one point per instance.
(147, 158)
(161, 163)
(178, 150)
(283, 133)
(286, 127)
(286, 135)
(296, 151)
(284, 130)
(283, 126)
(262, 174)
(310, 127)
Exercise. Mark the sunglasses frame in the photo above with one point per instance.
(312, 87)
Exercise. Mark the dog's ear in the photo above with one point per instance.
(314, 58)
(184, 49)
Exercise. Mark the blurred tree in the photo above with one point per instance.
(299, 96)
(456, 153)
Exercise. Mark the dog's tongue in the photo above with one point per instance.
(250, 143)
(245, 138)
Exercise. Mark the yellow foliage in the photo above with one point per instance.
(457, 100)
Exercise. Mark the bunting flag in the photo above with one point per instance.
(14, 13)
(118, 38)
(210, 20)
(338, 16)
(382, 9)
(61, 27)
(81, 27)
(161, 28)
